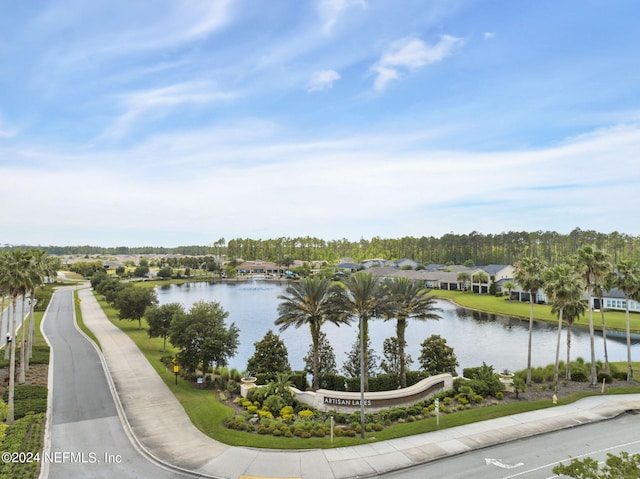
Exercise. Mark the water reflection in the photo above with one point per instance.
(475, 336)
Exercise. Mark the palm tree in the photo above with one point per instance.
(481, 278)
(363, 298)
(464, 278)
(410, 300)
(571, 313)
(4, 292)
(562, 287)
(24, 289)
(628, 281)
(15, 281)
(604, 282)
(528, 274)
(509, 285)
(311, 302)
(38, 269)
(592, 267)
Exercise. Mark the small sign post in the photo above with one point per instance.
(176, 370)
(437, 407)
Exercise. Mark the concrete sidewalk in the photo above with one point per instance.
(162, 429)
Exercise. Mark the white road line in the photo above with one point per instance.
(551, 464)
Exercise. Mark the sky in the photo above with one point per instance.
(179, 122)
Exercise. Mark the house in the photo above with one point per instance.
(616, 300)
(496, 272)
(348, 267)
(375, 263)
(518, 294)
(405, 263)
(258, 267)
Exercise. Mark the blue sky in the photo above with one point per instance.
(180, 122)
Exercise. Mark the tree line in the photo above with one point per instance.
(479, 248)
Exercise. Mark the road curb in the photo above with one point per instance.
(123, 417)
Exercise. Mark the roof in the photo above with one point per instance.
(493, 268)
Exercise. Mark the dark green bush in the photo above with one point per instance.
(619, 375)
(299, 380)
(606, 377)
(333, 382)
(470, 373)
(579, 376)
(384, 382)
(414, 377)
(257, 395)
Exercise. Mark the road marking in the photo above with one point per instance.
(495, 462)
(580, 456)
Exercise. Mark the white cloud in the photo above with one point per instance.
(158, 101)
(488, 35)
(331, 10)
(228, 187)
(6, 133)
(410, 54)
(323, 79)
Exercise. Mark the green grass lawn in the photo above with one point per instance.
(542, 312)
(80, 322)
(207, 413)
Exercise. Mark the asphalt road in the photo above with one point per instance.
(535, 457)
(87, 436)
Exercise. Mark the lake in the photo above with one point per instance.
(475, 337)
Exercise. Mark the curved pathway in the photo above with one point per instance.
(85, 436)
(161, 428)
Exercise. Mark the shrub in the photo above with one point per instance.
(488, 387)
(414, 377)
(334, 382)
(470, 373)
(619, 375)
(305, 414)
(383, 382)
(257, 395)
(28, 398)
(233, 387)
(537, 375)
(4, 410)
(606, 377)
(299, 380)
(286, 410)
(579, 376)
(274, 403)
(265, 414)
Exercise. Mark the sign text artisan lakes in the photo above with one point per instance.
(329, 401)
(385, 399)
